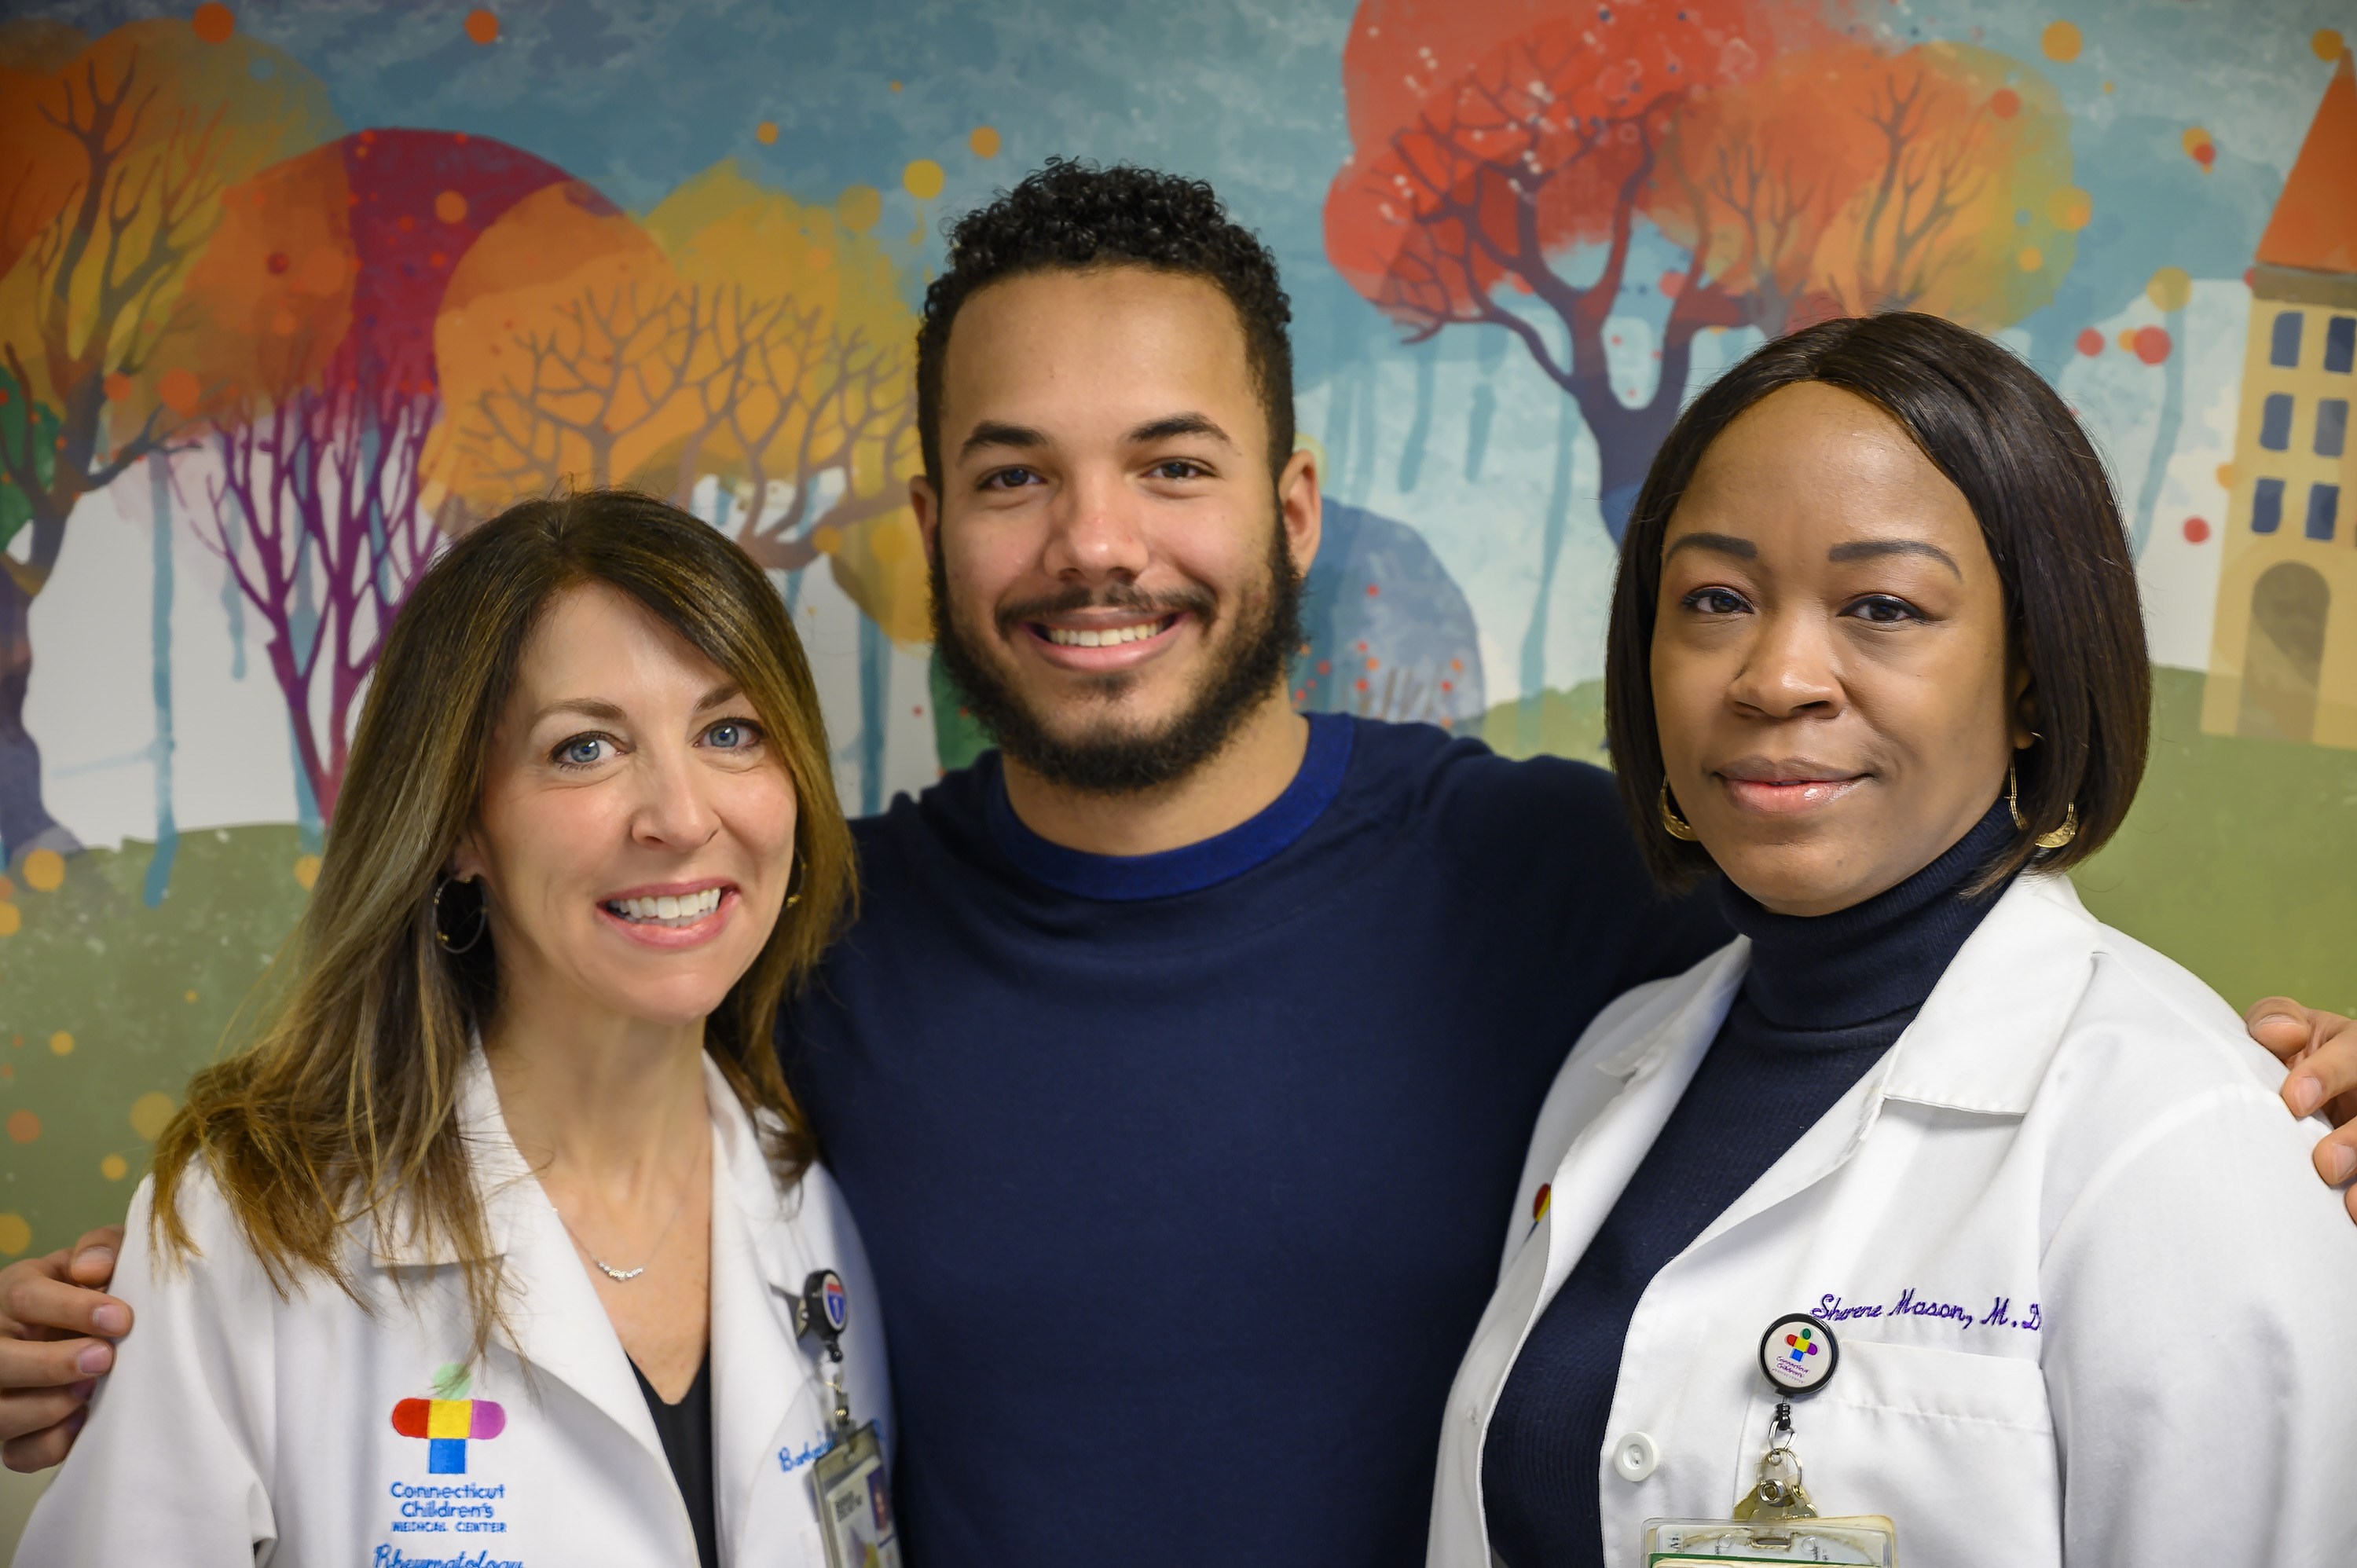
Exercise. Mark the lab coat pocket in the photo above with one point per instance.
(1957, 1448)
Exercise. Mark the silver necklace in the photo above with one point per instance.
(624, 1277)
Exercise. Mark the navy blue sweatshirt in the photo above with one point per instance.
(1822, 999)
(1182, 1175)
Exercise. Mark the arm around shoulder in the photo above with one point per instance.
(181, 1427)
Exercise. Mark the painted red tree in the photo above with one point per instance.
(1802, 169)
(329, 276)
(1494, 139)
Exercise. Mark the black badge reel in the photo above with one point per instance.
(1775, 1522)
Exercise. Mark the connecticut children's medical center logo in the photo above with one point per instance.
(448, 1420)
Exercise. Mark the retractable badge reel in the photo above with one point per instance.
(1775, 1521)
(855, 1497)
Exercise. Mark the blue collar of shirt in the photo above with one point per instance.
(1195, 866)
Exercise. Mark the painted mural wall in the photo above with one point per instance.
(291, 295)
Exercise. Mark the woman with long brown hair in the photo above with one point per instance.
(502, 1235)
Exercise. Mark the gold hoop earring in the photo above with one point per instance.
(2060, 836)
(1675, 824)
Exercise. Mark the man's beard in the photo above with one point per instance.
(1103, 760)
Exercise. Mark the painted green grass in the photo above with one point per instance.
(92, 962)
(2239, 861)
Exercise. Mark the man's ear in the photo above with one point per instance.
(927, 505)
(1300, 509)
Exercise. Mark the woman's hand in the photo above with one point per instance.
(2320, 1048)
(54, 1328)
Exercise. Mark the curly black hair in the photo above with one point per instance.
(1074, 215)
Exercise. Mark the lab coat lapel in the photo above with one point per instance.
(1980, 1044)
(1657, 1065)
(764, 1395)
(558, 1327)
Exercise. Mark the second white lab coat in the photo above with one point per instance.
(241, 1427)
(2093, 1304)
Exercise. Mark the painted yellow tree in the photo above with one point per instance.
(115, 158)
(803, 388)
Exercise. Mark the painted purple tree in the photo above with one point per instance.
(323, 284)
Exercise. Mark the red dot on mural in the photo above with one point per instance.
(450, 207)
(275, 261)
(2005, 103)
(1674, 283)
(1362, 686)
(2206, 154)
(2197, 531)
(2090, 342)
(2152, 345)
(180, 390)
(482, 27)
(23, 1126)
(213, 23)
(118, 387)
(1373, 590)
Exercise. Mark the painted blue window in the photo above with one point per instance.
(2275, 422)
(2341, 344)
(2285, 351)
(2323, 501)
(2266, 506)
(2331, 427)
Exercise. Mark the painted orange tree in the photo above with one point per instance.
(116, 155)
(732, 333)
(1802, 170)
(312, 357)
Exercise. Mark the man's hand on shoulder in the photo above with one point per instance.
(55, 1324)
(2320, 1048)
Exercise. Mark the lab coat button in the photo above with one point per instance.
(1634, 1455)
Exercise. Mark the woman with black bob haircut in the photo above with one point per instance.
(1930, 1197)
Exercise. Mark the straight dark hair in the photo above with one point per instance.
(2002, 436)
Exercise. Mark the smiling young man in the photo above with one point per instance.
(1181, 1067)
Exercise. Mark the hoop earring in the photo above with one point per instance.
(1675, 824)
(483, 922)
(2060, 836)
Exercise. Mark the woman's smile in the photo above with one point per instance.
(671, 914)
(1785, 788)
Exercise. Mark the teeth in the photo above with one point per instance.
(1108, 637)
(667, 911)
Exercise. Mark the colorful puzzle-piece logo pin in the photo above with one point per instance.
(1801, 1343)
(447, 1424)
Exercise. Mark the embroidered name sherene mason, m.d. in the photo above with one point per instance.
(2000, 1313)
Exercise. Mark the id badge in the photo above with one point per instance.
(1775, 1522)
(855, 1503)
(1697, 1543)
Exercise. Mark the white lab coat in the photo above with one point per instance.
(2093, 1304)
(239, 1427)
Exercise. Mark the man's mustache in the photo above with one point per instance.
(1119, 597)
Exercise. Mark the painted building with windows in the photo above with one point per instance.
(2283, 663)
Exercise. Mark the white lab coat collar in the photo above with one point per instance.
(560, 1328)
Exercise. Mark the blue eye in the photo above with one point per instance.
(584, 751)
(733, 734)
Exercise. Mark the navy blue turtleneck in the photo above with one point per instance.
(1823, 998)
